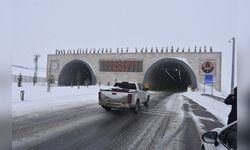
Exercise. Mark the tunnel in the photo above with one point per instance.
(170, 74)
(76, 72)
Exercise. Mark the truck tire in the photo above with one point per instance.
(146, 103)
(107, 108)
(136, 108)
(202, 147)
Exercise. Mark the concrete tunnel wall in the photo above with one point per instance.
(193, 59)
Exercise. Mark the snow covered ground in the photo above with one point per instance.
(216, 107)
(209, 90)
(38, 100)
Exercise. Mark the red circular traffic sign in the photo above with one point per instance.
(207, 67)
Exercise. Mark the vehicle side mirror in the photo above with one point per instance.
(210, 137)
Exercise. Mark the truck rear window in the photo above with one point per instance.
(125, 85)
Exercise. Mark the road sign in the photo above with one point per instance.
(146, 85)
(207, 67)
(209, 79)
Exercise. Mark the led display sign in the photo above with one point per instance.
(120, 66)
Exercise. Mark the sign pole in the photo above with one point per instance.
(233, 59)
(212, 88)
(204, 85)
(48, 84)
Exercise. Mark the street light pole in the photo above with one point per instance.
(233, 60)
(48, 82)
(36, 56)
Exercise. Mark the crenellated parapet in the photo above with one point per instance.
(172, 49)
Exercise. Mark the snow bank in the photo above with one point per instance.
(208, 90)
(216, 107)
(38, 100)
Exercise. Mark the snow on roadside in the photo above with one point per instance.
(38, 100)
(208, 90)
(218, 108)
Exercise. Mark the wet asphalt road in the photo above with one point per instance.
(168, 123)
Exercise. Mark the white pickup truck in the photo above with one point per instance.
(124, 95)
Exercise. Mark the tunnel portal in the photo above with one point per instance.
(163, 69)
(170, 74)
(76, 72)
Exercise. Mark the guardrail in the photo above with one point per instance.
(214, 97)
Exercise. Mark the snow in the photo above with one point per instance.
(216, 107)
(208, 90)
(38, 100)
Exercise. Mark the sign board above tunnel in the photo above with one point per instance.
(120, 66)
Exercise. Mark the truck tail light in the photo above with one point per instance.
(99, 95)
(129, 98)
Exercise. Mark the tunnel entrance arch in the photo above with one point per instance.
(76, 72)
(170, 74)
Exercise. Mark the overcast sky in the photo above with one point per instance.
(41, 26)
